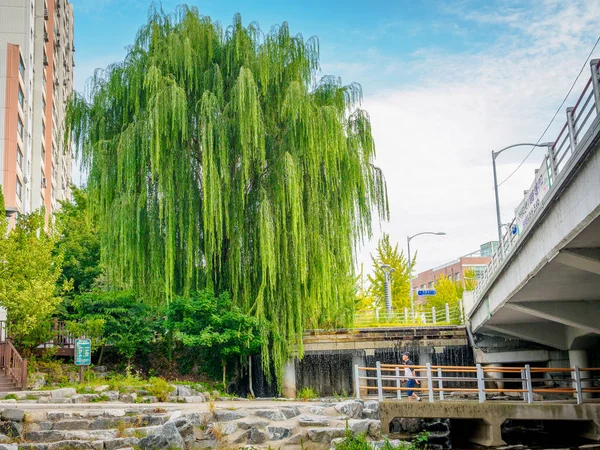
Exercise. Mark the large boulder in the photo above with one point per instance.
(271, 414)
(256, 436)
(325, 435)
(63, 393)
(118, 443)
(279, 433)
(369, 427)
(317, 410)
(185, 391)
(13, 415)
(199, 398)
(290, 411)
(77, 424)
(228, 415)
(129, 397)
(168, 437)
(351, 408)
(246, 424)
(12, 429)
(9, 447)
(313, 421)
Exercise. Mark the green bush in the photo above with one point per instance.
(306, 393)
(160, 389)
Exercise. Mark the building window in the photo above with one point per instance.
(19, 157)
(458, 277)
(19, 189)
(20, 127)
(430, 284)
(21, 97)
(21, 67)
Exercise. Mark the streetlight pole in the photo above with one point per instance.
(494, 156)
(408, 238)
(387, 271)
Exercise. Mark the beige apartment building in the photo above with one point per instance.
(36, 80)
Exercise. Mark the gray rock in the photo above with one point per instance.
(198, 419)
(395, 443)
(228, 415)
(194, 399)
(203, 444)
(246, 424)
(76, 445)
(167, 438)
(9, 447)
(112, 396)
(350, 408)
(81, 424)
(325, 435)
(114, 444)
(298, 439)
(149, 420)
(45, 425)
(223, 429)
(370, 414)
(317, 410)
(408, 425)
(184, 391)
(366, 426)
(278, 433)
(59, 415)
(271, 414)
(4, 439)
(256, 436)
(61, 394)
(11, 429)
(129, 397)
(313, 421)
(372, 404)
(101, 389)
(13, 415)
(30, 446)
(186, 430)
(291, 411)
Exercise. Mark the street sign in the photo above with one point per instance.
(83, 352)
(426, 292)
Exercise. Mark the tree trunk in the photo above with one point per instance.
(224, 373)
(250, 377)
(101, 355)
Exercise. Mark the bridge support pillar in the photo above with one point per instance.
(358, 359)
(580, 359)
(289, 379)
(497, 376)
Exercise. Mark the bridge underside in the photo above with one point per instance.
(559, 306)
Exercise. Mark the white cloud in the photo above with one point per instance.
(435, 136)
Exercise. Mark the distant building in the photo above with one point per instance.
(455, 270)
(36, 80)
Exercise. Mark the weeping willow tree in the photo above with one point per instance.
(218, 159)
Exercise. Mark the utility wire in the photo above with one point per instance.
(553, 117)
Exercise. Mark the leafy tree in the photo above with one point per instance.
(28, 274)
(470, 280)
(400, 283)
(218, 159)
(205, 321)
(447, 291)
(78, 242)
(129, 324)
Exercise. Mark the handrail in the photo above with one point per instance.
(580, 379)
(557, 158)
(447, 316)
(14, 365)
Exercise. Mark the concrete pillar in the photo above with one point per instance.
(424, 358)
(360, 360)
(289, 379)
(497, 376)
(580, 359)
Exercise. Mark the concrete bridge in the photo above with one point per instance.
(542, 287)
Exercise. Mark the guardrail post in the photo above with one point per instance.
(460, 312)
(440, 383)
(447, 312)
(430, 381)
(356, 381)
(405, 314)
(524, 385)
(595, 82)
(433, 318)
(578, 385)
(529, 385)
(571, 129)
(379, 382)
(398, 384)
(552, 160)
(480, 384)
(423, 318)
(24, 375)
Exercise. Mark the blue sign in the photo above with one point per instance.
(426, 292)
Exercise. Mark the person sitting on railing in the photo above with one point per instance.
(410, 379)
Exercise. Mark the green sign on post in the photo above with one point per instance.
(83, 352)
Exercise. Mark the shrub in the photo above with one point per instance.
(306, 393)
(160, 389)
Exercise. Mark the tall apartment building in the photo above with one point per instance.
(36, 80)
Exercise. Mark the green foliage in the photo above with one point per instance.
(91, 328)
(205, 321)
(28, 275)
(470, 280)
(216, 160)
(129, 325)
(160, 389)
(358, 441)
(400, 284)
(306, 393)
(447, 291)
(78, 242)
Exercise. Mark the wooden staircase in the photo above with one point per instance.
(13, 368)
(7, 384)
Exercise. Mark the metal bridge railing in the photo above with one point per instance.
(578, 122)
(448, 315)
(386, 381)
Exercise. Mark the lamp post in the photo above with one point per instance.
(408, 238)
(387, 271)
(494, 156)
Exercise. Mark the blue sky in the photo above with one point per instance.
(445, 83)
